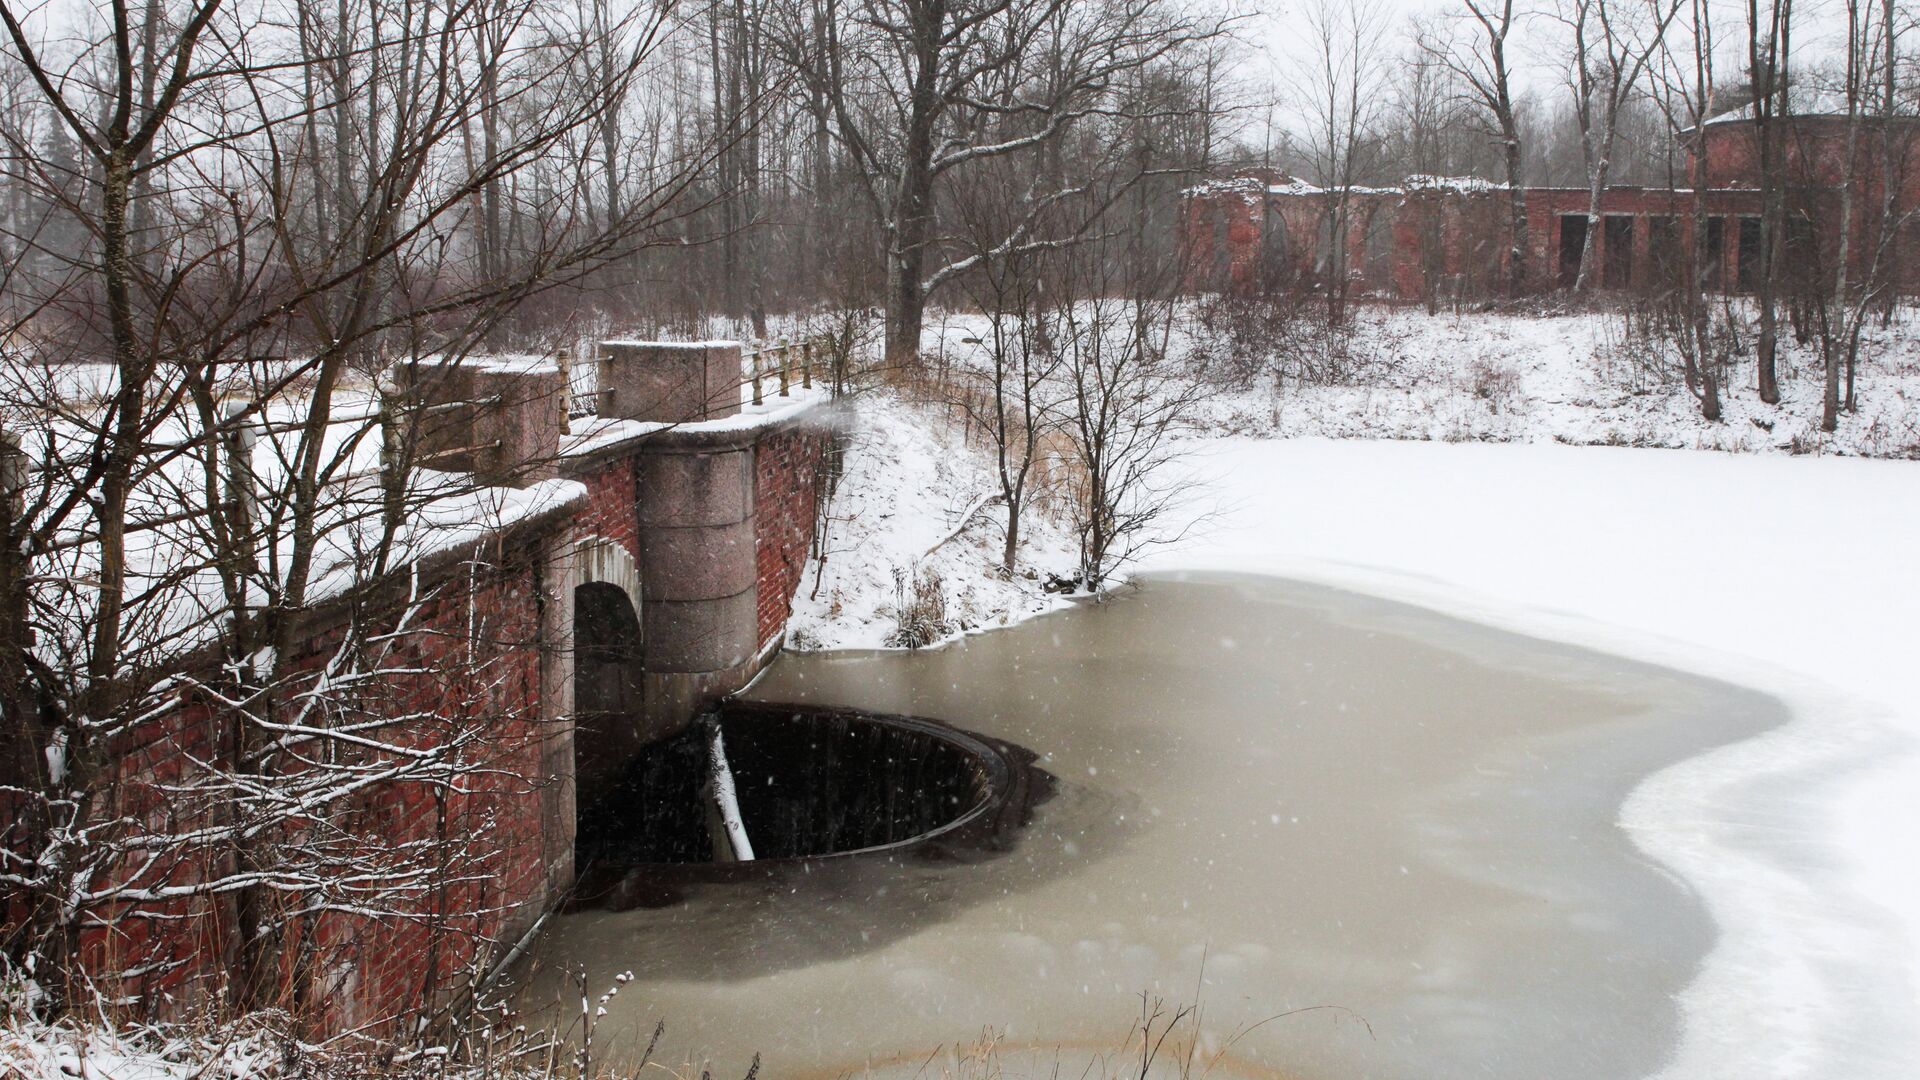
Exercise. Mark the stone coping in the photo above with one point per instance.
(607, 438)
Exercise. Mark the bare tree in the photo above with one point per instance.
(1340, 97)
(1769, 52)
(922, 89)
(1486, 68)
(1683, 85)
(1864, 233)
(1611, 46)
(1008, 390)
(278, 216)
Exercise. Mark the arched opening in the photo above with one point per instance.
(1276, 255)
(608, 688)
(814, 783)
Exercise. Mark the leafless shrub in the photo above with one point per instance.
(919, 608)
(1283, 335)
(1637, 351)
(1493, 382)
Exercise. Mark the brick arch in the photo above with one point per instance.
(598, 559)
(604, 665)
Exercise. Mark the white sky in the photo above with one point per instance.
(1281, 43)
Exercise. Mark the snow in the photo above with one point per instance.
(497, 363)
(1583, 379)
(911, 481)
(1795, 575)
(32, 1049)
(1252, 187)
(591, 433)
(635, 343)
(1526, 471)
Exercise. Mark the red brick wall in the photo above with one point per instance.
(479, 692)
(785, 486)
(1456, 239)
(610, 510)
(450, 685)
(479, 655)
(174, 947)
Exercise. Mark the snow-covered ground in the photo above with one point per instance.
(1584, 379)
(1587, 378)
(917, 500)
(1797, 576)
(1791, 565)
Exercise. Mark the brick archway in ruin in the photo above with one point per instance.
(608, 658)
(670, 530)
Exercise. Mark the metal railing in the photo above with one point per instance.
(783, 359)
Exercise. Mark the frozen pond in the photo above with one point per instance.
(1271, 797)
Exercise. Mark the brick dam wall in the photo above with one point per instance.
(705, 528)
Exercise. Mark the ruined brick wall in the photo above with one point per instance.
(611, 507)
(478, 657)
(465, 867)
(786, 484)
(1222, 237)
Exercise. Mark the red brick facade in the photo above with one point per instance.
(786, 484)
(489, 875)
(612, 488)
(1433, 239)
(469, 672)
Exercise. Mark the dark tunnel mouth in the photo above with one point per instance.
(813, 783)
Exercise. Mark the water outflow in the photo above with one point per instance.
(786, 782)
(726, 826)
(1270, 797)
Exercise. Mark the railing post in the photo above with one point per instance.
(806, 364)
(563, 359)
(786, 366)
(755, 371)
(236, 441)
(393, 478)
(14, 471)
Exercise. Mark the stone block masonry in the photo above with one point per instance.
(670, 382)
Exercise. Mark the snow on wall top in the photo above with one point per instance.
(598, 433)
(1251, 188)
(170, 550)
(497, 363)
(634, 343)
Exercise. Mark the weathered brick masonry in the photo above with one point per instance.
(485, 665)
(612, 488)
(1447, 238)
(786, 484)
(498, 863)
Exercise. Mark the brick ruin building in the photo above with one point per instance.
(643, 566)
(1442, 238)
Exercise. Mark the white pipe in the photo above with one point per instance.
(724, 798)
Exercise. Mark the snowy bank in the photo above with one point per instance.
(1586, 379)
(1793, 575)
(917, 503)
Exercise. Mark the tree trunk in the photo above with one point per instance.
(1596, 185)
(1516, 211)
(906, 303)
